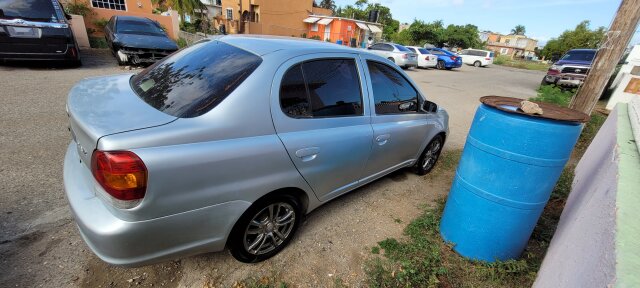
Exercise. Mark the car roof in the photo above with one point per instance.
(133, 18)
(265, 44)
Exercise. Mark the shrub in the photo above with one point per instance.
(182, 42)
(78, 8)
(100, 23)
(98, 42)
(554, 95)
(316, 37)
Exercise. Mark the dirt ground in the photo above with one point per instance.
(41, 247)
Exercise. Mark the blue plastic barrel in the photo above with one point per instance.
(509, 166)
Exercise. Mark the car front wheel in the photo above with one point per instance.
(265, 228)
(429, 157)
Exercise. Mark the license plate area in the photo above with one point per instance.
(24, 32)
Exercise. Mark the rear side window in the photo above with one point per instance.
(31, 10)
(196, 79)
(392, 93)
(402, 48)
(321, 88)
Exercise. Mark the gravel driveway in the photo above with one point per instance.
(40, 246)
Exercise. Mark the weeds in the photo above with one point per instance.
(262, 282)
(554, 95)
(520, 64)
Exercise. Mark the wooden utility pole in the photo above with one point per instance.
(610, 52)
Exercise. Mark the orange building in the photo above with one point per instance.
(343, 31)
(104, 9)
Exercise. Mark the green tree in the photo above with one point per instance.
(462, 36)
(580, 37)
(518, 30)
(184, 7)
(328, 4)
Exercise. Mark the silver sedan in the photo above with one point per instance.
(231, 141)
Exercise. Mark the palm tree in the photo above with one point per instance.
(518, 30)
(183, 7)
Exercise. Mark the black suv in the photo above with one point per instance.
(36, 30)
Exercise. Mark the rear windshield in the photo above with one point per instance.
(196, 79)
(491, 54)
(402, 48)
(579, 56)
(32, 10)
(423, 51)
(138, 27)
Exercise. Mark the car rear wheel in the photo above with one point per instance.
(477, 64)
(440, 65)
(429, 157)
(265, 228)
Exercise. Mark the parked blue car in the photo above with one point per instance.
(446, 59)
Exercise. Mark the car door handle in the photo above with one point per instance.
(308, 154)
(382, 139)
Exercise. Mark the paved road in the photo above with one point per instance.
(39, 245)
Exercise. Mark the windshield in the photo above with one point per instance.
(402, 48)
(194, 80)
(138, 27)
(579, 56)
(33, 10)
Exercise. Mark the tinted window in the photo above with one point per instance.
(579, 56)
(437, 52)
(194, 80)
(392, 93)
(412, 49)
(423, 51)
(138, 27)
(294, 99)
(321, 88)
(402, 48)
(34, 10)
(377, 47)
(387, 47)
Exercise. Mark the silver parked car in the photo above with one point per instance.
(397, 53)
(231, 141)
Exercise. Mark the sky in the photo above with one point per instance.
(543, 19)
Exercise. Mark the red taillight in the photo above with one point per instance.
(405, 56)
(427, 58)
(487, 58)
(453, 58)
(74, 53)
(121, 173)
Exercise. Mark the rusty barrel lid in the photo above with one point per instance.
(549, 111)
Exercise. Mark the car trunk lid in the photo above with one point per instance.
(103, 106)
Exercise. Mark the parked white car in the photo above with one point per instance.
(477, 58)
(396, 53)
(425, 59)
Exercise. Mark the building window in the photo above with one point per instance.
(504, 51)
(229, 14)
(110, 4)
(314, 27)
(219, 2)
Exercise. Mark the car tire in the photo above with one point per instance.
(448, 68)
(259, 224)
(429, 156)
(477, 64)
(440, 65)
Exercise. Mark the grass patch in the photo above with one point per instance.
(520, 64)
(554, 95)
(181, 42)
(261, 282)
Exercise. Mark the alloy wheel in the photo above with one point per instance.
(431, 155)
(269, 228)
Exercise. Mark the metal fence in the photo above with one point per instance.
(190, 38)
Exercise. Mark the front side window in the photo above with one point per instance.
(109, 4)
(392, 93)
(321, 88)
(194, 80)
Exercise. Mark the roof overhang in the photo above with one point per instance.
(362, 26)
(325, 21)
(375, 29)
(311, 20)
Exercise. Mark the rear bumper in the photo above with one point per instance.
(67, 55)
(427, 64)
(135, 243)
(453, 64)
(407, 63)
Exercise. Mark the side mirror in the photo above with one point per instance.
(429, 106)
